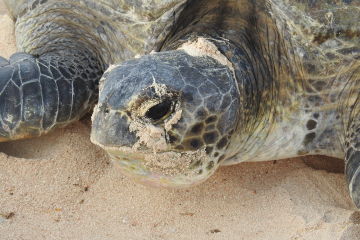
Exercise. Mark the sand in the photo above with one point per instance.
(61, 186)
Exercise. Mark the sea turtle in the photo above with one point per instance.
(186, 85)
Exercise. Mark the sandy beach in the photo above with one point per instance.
(61, 186)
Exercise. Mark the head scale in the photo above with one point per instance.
(167, 118)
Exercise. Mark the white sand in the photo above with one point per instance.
(61, 186)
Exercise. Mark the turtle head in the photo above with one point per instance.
(167, 118)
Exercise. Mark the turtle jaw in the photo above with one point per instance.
(136, 166)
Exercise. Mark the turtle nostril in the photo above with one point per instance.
(104, 108)
(159, 111)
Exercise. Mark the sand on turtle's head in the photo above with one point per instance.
(149, 135)
(152, 136)
(203, 47)
(158, 158)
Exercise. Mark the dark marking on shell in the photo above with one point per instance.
(309, 138)
(201, 114)
(179, 147)
(211, 119)
(221, 158)
(197, 128)
(209, 150)
(222, 143)
(311, 124)
(210, 127)
(315, 100)
(310, 67)
(196, 164)
(193, 143)
(210, 137)
(210, 165)
(172, 138)
(319, 85)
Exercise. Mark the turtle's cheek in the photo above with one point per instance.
(132, 165)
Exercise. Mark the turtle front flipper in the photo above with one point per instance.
(40, 93)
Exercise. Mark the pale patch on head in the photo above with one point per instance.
(149, 135)
(160, 89)
(173, 120)
(202, 47)
(173, 163)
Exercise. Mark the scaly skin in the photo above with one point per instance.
(38, 94)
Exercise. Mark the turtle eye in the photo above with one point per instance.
(160, 111)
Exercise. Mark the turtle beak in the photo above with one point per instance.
(111, 128)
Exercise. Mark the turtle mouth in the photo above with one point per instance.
(134, 168)
(161, 169)
(167, 169)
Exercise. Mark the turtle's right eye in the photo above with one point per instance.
(160, 111)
